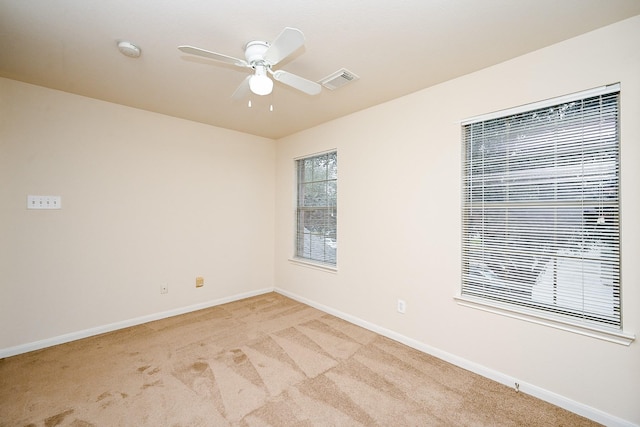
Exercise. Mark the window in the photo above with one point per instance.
(316, 234)
(540, 210)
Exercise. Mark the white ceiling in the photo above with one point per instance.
(396, 47)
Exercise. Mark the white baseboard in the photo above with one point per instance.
(73, 336)
(530, 389)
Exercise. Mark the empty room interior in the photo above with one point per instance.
(144, 176)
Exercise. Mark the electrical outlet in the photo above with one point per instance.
(164, 289)
(402, 306)
(199, 282)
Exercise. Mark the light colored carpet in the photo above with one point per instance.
(262, 361)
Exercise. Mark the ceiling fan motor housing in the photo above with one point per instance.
(254, 52)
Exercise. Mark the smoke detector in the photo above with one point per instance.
(129, 49)
(338, 79)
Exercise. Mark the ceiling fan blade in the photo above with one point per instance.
(287, 42)
(297, 82)
(191, 50)
(242, 90)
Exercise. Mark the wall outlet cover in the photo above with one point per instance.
(402, 306)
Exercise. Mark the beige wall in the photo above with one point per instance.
(399, 222)
(146, 200)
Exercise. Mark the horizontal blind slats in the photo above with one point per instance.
(540, 209)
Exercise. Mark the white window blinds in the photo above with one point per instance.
(316, 213)
(540, 209)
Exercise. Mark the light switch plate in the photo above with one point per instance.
(44, 202)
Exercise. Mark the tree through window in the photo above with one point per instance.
(316, 236)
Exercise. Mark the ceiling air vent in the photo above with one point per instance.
(338, 79)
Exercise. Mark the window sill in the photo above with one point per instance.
(315, 265)
(614, 336)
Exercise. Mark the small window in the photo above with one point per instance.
(316, 212)
(541, 210)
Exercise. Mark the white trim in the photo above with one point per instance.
(315, 265)
(530, 389)
(319, 153)
(73, 336)
(614, 336)
(602, 90)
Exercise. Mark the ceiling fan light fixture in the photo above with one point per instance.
(260, 83)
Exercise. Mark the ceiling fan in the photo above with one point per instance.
(261, 56)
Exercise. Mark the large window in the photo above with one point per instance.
(540, 209)
(316, 235)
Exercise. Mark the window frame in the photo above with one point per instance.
(328, 210)
(510, 306)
